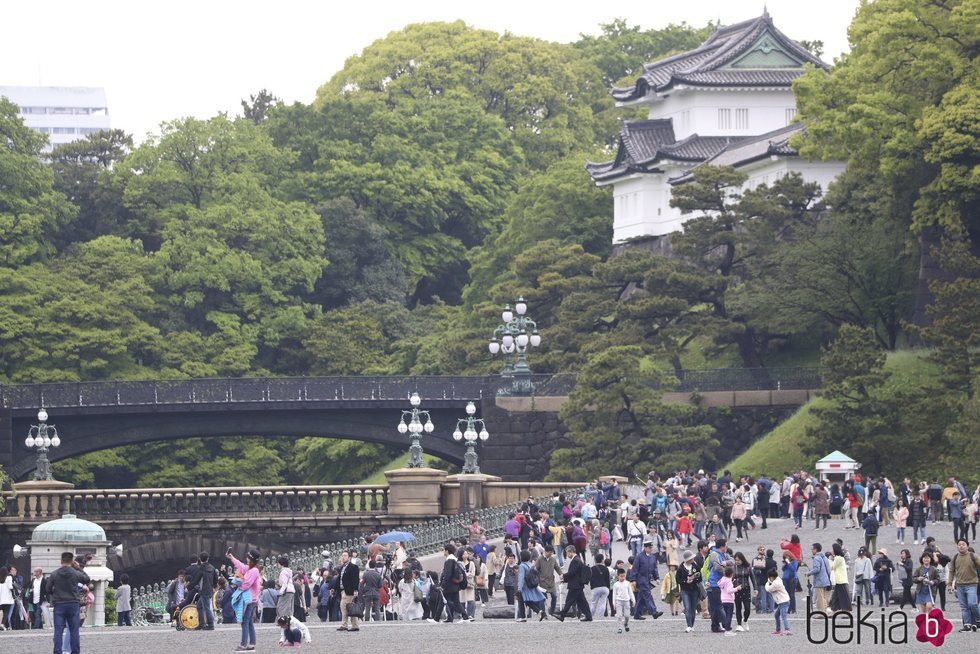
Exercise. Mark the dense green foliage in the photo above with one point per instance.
(439, 175)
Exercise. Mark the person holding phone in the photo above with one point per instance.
(252, 584)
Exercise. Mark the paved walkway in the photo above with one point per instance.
(599, 636)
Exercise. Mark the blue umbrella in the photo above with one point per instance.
(392, 536)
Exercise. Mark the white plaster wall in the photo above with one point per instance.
(641, 203)
(770, 170)
(695, 111)
(641, 206)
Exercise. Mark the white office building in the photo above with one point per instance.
(64, 113)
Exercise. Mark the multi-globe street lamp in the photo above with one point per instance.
(42, 436)
(515, 335)
(470, 429)
(411, 423)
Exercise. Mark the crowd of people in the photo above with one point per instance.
(556, 560)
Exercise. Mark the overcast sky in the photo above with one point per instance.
(162, 60)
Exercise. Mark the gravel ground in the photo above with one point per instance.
(598, 636)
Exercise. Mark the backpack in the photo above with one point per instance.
(585, 574)
(417, 596)
(532, 577)
(604, 537)
(706, 567)
(461, 573)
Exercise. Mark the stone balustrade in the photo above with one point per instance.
(41, 505)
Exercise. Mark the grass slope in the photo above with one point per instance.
(780, 450)
(398, 462)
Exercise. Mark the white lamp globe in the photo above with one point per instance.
(535, 339)
(457, 435)
(29, 441)
(47, 442)
(521, 306)
(508, 348)
(470, 408)
(56, 441)
(507, 340)
(522, 340)
(507, 314)
(470, 435)
(494, 346)
(402, 428)
(429, 427)
(415, 427)
(42, 415)
(415, 399)
(484, 435)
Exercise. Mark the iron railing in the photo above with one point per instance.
(351, 388)
(243, 390)
(430, 538)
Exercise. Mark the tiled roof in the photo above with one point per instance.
(748, 150)
(708, 64)
(644, 143)
(836, 457)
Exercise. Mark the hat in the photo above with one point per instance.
(255, 555)
(648, 543)
(688, 555)
(883, 551)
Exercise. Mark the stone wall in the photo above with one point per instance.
(520, 443)
(523, 438)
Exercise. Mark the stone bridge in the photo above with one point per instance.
(159, 527)
(524, 430)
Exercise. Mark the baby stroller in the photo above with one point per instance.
(186, 617)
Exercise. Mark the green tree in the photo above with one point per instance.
(618, 422)
(861, 415)
(256, 108)
(558, 204)
(434, 173)
(83, 172)
(545, 93)
(620, 50)
(335, 461)
(901, 108)
(363, 261)
(31, 210)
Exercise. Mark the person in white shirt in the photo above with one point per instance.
(636, 531)
(38, 599)
(623, 599)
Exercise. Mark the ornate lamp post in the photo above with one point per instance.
(42, 436)
(467, 428)
(412, 424)
(516, 334)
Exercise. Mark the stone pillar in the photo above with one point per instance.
(471, 490)
(415, 491)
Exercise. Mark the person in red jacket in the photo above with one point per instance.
(792, 546)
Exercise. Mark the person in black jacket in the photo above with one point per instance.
(63, 594)
(450, 581)
(350, 577)
(203, 579)
(575, 580)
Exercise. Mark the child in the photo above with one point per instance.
(623, 599)
(728, 589)
(294, 632)
(779, 595)
(685, 525)
(670, 592)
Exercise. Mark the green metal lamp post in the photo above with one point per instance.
(466, 428)
(515, 335)
(411, 423)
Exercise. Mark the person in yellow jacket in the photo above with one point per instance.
(670, 592)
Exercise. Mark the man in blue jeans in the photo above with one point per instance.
(716, 563)
(63, 595)
(963, 579)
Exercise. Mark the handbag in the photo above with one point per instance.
(356, 608)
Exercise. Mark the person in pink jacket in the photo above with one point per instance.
(251, 582)
(728, 589)
(901, 520)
